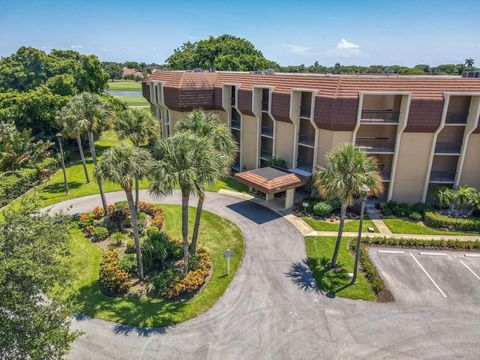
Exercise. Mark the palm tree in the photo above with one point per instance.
(445, 197)
(91, 114)
(209, 127)
(348, 170)
(138, 126)
(121, 164)
(179, 161)
(71, 129)
(464, 195)
(469, 62)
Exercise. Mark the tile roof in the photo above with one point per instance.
(334, 86)
(270, 180)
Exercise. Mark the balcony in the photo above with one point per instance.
(380, 116)
(235, 124)
(305, 111)
(442, 176)
(265, 154)
(264, 105)
(386, 176)
(456, 118)
(267, 131)
(376, 145)
(448, 148)
(306, 139)
(233, 101)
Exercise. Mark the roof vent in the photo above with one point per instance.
(198, 70)
(471, 74)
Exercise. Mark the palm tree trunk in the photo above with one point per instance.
(185, 198)
(133, 215)
(137, 193)
(196, 226)
(84, 163)
(99, 179)
(343, 212)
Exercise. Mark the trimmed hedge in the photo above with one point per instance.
(370, 271)
(441, 221)
(418, 243)
(15, 184)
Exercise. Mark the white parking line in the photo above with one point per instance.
(468, 267)
(432, 253)
(391, 252)
(472, 255)
(426, 273)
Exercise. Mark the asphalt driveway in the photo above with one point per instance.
(272, 309)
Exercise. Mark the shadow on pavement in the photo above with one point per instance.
(254, 212)
(127, 329)
(302, 277)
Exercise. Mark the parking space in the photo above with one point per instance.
(427, 277)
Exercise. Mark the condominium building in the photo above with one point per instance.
(423, 130)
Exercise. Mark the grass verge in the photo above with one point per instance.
(350, 225)
(216, 235)
(319, 254)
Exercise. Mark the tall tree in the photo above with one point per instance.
(469, 62)
(92, 114)
(73, 129)
(139, 126)
(179, 160)
(34, 255)
(120, 165)
(348, 170)
(210, 128)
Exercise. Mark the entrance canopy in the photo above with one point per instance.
(271, 180)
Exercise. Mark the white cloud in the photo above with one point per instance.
(77, 47)
(105, 50)
(345, 49)
(298, 49)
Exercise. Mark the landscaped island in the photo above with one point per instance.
(108, 287)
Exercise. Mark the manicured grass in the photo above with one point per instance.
(216, 235)
(338, 283)
(133, 100)
(123, 85)
(403, 226)
(350, 225)
(53, 191)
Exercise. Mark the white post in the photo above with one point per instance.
(269, 196)
(289, 198)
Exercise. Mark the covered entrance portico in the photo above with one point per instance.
(271, 181)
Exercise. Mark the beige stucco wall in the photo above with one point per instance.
(249, 142)
(412, 165)
(329, 140)
(471, 166)
(284, 141)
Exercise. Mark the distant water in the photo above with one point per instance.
(123, 93)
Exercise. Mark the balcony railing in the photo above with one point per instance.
(306, 139)
(442, 176)
(267, 131)
(386, 176)
(264, 105)
(380, 116)
(235, 124)
(305, 111)
(265, 153)
(305, 165)
(376, 145)
(448, 148)
(456, 118)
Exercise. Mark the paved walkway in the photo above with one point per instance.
(374, 215)
(273, 310)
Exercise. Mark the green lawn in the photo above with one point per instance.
(403, 226)
(319, 253)
(134, 100)
(52, 191)
(123, 85)
(216, 235)
(350, 225)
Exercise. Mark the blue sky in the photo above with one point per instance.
(290, 32)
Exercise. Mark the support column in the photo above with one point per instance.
(269, 196)
(289, 198)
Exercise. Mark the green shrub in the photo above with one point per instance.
(130, 248)
(14, 184)
(165, 280)
(416, 216)
(369, 270)
(116, 239)
(436, 220)
(421, 208)
(322, 208)
(113, 280)
(47, 166)
(420, 243)
(100, 233)
(155, 251)
(128, 263)
(336, 204)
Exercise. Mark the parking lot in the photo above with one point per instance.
(428, 277)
